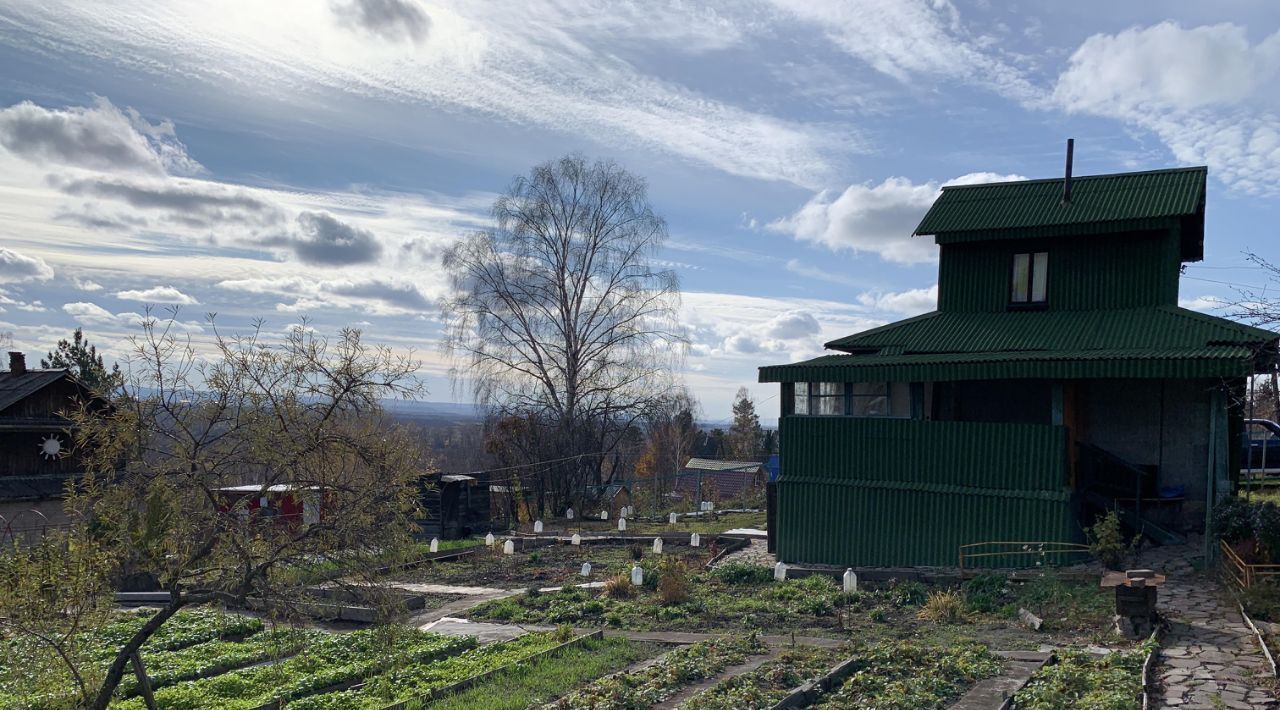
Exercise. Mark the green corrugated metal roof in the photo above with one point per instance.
(1163, 341)
(1159, 328)
(1033, 204)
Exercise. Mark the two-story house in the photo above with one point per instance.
(1057, 377)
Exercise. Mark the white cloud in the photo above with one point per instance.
(100, 137)
(552, 65)
(304, 295)
(875, 218)
(908, 38)
(17, 268)
(1206, 92)
(92, 314)
(906, 303)
(86, 284)
(1204, 304)
(158, 294)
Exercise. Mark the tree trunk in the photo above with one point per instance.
(116, 671)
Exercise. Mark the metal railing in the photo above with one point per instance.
(1042, 550)
(1243, 573)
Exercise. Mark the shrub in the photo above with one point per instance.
(742, 573)
(1262, 601)
(983, 593)
(945, 607)
(533, 592)
(907, 592)
(637, 552)
(563, 633)
(1233, 520)
(618, 587)
(534, 558)
(1106, 541)
(673, 582)
(1266, 528)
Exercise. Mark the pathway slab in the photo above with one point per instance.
(1209, 658)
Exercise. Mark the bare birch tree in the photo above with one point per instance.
(561, 318)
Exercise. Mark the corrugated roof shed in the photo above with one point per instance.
(700, 464)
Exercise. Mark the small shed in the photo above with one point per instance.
(612, 497)
(719, 481)
(454, 506)
(281, 503)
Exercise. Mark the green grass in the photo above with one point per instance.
(1082, 680)
(906, 675)
(545, 679)
(333, 659)
(655, 683)
(762, 688)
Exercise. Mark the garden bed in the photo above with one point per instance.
(328, 662)
(740, 597)
(764, 687)
(1080, 679)
(705, 524)
(548, 677)
(551, 565)
(663, 679)
(411, 681)
(908, 674)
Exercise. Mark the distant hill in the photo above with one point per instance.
(408, 409)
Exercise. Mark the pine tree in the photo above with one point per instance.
(746, 437)
(83, 360)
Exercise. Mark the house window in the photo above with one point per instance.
(870, 399)
(828, 398)
(1030, 278)
(801, 398)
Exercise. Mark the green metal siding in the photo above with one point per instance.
(1094, 199)
(1124, 271)
(971, 454)
(904, 492)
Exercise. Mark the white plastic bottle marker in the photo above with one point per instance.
(586, 569)
(671, 518)
(695, 540)
(657, 546)
(488, 539)
(435, 544)
(850, 580)
(780, 572)
(568, 514)
(576, 539)
(537, 527)
(604, 515)
(622, 524)
(637, 575)
(509, 548)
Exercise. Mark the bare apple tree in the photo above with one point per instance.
(185, 470)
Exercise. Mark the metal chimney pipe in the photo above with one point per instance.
(1066, 182)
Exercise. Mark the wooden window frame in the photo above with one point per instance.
(1029, 303)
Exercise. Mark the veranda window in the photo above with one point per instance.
(828, 398)
(870, 399)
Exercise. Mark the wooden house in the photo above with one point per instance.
(1057, 377)
(37, 459)
(720, 481)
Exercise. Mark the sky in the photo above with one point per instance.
(313, 159)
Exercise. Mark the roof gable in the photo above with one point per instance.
(15, 388)
(1157, 199)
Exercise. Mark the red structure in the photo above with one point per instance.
(282, 503)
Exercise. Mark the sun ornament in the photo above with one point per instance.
(51, 447)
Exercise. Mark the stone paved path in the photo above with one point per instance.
(755, 553)
(1209, 658)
